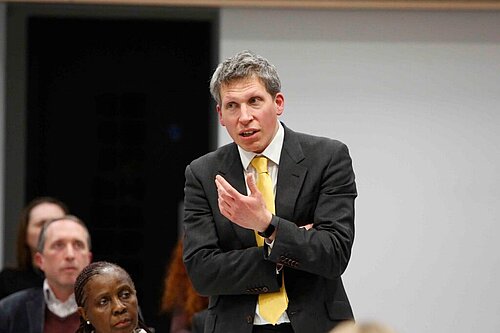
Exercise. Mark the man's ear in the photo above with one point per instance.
(39, 260)
(279, 101)
(219, 112)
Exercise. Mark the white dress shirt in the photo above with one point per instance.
(60, 309)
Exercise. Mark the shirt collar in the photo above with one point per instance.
(272, 152)
(61, 309)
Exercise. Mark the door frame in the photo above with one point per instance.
(16, 83)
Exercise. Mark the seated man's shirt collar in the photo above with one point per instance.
(60, 309)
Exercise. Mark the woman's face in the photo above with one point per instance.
(39, 215)
(111, 302)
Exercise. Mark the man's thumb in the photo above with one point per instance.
(251, 184)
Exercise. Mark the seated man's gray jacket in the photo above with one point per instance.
(23, 312)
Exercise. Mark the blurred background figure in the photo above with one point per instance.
(107, 300)
(33, 216)
(368, 327)
(179, 299)
(62, 253)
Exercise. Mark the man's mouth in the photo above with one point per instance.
(69, 268)
(246, 134)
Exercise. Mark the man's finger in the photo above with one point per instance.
(222, 184)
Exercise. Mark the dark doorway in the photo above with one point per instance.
(116, 109)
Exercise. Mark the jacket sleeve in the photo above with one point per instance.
(325, 249)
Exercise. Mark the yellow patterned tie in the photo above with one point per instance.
(271, 305)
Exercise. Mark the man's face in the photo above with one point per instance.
(65, 254)
(39, 215)
(250, 113)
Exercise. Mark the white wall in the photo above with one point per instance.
(415, 95)
(3, 38)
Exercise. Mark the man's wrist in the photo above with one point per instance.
(269, 230)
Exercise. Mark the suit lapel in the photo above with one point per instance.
(291, 175)
(232, 170)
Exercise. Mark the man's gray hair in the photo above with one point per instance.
(43, 232)
(243, 65)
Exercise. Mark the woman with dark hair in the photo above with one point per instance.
(107, 300)
(33, 216)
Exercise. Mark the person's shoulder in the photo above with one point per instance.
(14, 310)
(9, 279)
(15, 279)
(314, 141)
(9, 271)
(214, 156)
(20, 297)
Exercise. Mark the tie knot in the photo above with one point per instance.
(260, 164)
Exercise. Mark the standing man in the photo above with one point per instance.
(268, 243)
(63, 251)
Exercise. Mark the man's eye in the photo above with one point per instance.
(79, 245)
(254, 100)
(103, 301)
(58, 245)
(230, 106)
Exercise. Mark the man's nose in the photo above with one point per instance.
(70, 251)
(246, 113)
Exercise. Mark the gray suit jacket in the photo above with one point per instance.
(315, 185)
(23, 312)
